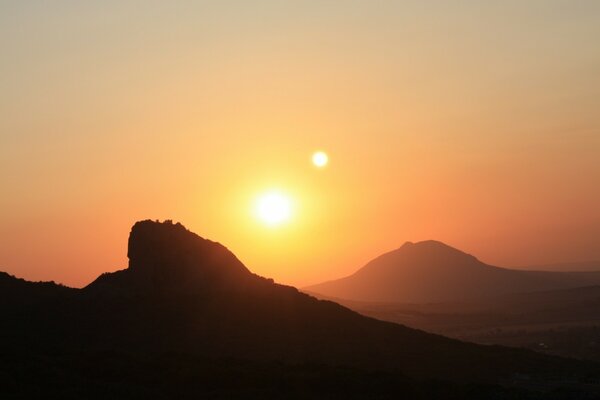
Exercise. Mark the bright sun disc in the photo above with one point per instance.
(273, 208)
(320, 159)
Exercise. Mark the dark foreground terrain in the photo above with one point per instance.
(187, 319)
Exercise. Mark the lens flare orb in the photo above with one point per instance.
(320, 159)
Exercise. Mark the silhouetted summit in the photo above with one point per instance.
(167, 256)
(431, 271)
(429, 253)
(166, 249)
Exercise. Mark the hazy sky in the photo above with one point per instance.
(472, 122)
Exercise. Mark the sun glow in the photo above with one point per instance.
(273, 208)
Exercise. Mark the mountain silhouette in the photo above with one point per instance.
(168, 257)
(431, 271)
(187, 315)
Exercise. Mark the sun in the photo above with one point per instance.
(273, 208)
(320, 159)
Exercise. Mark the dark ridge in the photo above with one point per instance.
(12, 287)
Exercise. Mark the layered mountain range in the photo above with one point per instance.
(187, 316)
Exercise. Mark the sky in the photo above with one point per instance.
(474, 123)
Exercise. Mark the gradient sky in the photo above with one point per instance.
(475, 123)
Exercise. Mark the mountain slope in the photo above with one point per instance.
(184, 296)
(581, 266)
(431, 271)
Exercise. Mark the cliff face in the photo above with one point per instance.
(166, 256)
(167, 253)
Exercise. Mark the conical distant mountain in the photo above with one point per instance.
(431, 271)
(187, 314)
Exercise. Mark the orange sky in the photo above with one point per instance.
(475, 124)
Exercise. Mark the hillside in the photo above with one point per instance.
(430, 271)
(559, 322)
(186, 306)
